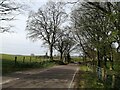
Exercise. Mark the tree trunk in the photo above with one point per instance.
(105, 57)
(111, 64)
(111, 60)
(98, 56)
(51, 52)
(68, 58)
(61, 54)
(105, 62)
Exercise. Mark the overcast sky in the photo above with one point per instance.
(16, 43)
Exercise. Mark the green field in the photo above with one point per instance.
(27, 62)
(23, 62)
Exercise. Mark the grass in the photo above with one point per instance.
(20, 58)
(87, 77)
(9, 65)
(76, 59)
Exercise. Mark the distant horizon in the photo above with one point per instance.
(21, 54)
(34, 54)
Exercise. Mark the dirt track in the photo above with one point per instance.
(55, 77)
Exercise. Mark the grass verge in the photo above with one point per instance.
(88, 79)
(9, 66)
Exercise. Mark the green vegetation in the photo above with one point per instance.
(20, 58)
(23, 63)
(93, 31)
(97, 32)
(76, 59)
(88, 77)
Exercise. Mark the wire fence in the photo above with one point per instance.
(108, 77)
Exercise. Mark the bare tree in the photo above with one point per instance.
(60, 44)
(8, 10)
(65, 43)
(45, 23)
(69, 45)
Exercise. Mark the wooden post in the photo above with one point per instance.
(113, 81)
(103, 73)
(23, 59)
(99, 73)
(15, 60)
(30, 59)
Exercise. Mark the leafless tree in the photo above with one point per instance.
(65, 43)
(60, 44)
(69, 45)
(45, 23)
(8, 10)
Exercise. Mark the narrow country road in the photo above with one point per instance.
(61, 76)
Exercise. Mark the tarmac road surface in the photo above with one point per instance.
(61, 76)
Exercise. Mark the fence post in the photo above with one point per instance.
(30, 59)
(23, 59)
(103, 73)
(15, 60)
(99, 71)
(113, 80)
